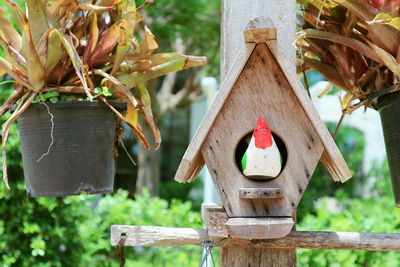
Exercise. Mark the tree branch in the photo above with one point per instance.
(189, 92)
(169, 81)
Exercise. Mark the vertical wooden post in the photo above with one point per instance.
(235, 16)
(237, 13)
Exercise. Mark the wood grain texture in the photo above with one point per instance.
(259, 228)
(192, 160)
(261, 90)
(332, 158)
(170, 236)
(257, 257)
(261, 193)
(260, 22)
(260, 30)
(156, 235)
(236, 15)
(214, 218)
(259, 35)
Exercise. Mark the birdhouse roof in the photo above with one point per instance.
(192, 161)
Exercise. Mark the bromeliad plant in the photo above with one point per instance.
(354, 44)
(70, 49)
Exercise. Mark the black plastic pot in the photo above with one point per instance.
(389, 108)
(81, 155)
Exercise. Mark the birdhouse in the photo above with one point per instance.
(261, 83)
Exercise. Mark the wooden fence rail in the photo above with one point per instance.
(171, 236)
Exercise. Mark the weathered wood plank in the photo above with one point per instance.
(214, 218)
(260, 30)
(156, 235)
(169, 236)
(261, 90)
(259, 228)
(192, 160)
(237, 13)
(256, 257)
(331, 158)
(261, 193)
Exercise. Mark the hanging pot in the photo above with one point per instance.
(388, 106)
(71, 155)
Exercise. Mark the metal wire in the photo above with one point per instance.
(207, 249)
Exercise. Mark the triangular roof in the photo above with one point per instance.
(192, 161)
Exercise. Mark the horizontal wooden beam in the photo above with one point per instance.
(259, 228)
(170, 236)
(261, 193)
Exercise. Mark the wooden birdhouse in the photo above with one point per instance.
(261, 82)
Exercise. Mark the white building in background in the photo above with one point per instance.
(198, 110)
(368, 122)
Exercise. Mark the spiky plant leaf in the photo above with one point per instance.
(128, 14)
(92, 39)
(132, 115)
(148, 114)
(74, 47)
(15, 73)
(350, 42)
(387, 58)
(8, 33)
(36, 71)
(108, 41)
(13, 56)
(12, 8)
(388, 19)
(177, 64)
(55, 49)
(346, 100)
(37, 20)
(148, 44)
(350, 45)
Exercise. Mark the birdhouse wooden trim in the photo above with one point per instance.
(261, 193)
(259, 30)
(259, 228)
(193, 161)
(331, 158)
(219, 224)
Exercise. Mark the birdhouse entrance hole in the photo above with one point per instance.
(244, 143)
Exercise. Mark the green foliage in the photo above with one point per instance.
(104, 91)
(375, 214)
(351, 144)
(74, 231)
(197, 22)
(35, 232)
(144, 210)
(39, 232)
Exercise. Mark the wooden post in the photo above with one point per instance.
(235, 16)
(237, 13)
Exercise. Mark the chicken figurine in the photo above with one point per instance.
(262, 158)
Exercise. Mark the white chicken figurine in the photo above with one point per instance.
(262, 158)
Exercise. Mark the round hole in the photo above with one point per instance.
(244, 143)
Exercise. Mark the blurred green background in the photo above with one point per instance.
(75, 231)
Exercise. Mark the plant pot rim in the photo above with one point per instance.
(387, 99)
(74, 104)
